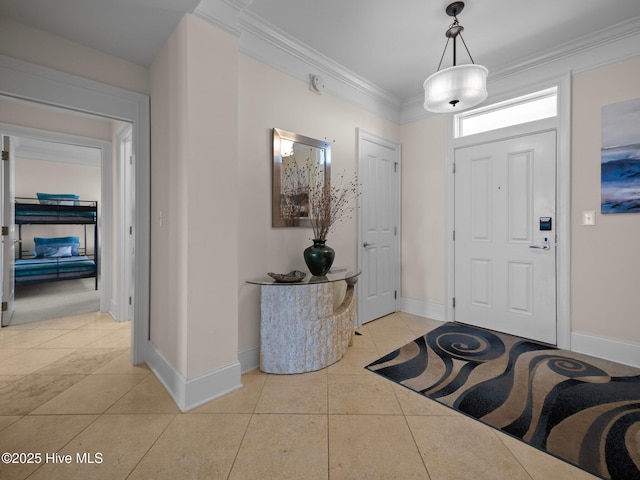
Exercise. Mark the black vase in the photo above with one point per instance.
(319, 257)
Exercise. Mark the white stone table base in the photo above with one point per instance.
(300, 330)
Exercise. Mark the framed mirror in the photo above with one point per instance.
(297, 161)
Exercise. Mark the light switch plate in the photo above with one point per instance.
(589, 217)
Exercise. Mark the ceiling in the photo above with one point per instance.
(390, 47)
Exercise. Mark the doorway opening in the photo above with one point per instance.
(47, 87)
(62, 163)
(44, 169)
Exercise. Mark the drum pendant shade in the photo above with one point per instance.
(455, 88)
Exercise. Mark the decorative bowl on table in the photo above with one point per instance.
(291, 277)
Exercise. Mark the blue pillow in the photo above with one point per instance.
(44, 247)
(58, 199)
(45, 251)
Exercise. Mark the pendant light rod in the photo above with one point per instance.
(465, 47)
(455, 38)
(443, 52)
(454, 31)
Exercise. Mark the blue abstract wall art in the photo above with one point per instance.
(620, 157)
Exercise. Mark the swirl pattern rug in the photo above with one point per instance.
(581, 409)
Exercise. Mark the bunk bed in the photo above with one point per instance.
(56, 258)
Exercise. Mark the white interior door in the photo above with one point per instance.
(126, 216)
(379, 221)
(130, 218)
(9, 229)
(505, 248)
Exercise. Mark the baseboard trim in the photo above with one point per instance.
(191, 393)
(113, 307)
(607, 348)
(435, 311)
(249, 359)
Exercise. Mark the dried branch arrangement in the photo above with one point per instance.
(307, 195)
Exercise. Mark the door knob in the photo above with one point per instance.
(367, 244)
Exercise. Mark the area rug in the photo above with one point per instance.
(581, 409)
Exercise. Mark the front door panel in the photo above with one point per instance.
(505, 254)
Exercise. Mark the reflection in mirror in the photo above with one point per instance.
(298, 161)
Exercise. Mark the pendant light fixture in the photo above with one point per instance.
(458, 87)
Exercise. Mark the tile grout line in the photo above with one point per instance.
(515, 457)
(175, 416)
(328, 430)
(244, 434)
(70, 440)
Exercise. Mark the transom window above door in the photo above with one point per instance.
(527, 108)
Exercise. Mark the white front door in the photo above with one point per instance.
(505, 244)
(9, 229)
(379, 223)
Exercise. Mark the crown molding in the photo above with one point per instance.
(268, 44)
(222, 13)
(622, 37)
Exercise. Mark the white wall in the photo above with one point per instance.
(55, 120)
(267, 99)
(168, 247)
(605, 257)
(36, 46)
(33, 176)
(212, 190)
(423, 187)
(194, 249)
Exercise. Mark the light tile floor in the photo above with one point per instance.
(68, 391)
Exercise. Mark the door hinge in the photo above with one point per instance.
(130, 300)
(454, 168)
(395, 294)
(5, 306)
(5, 231)
(454, 302)
(130, 230)
(454, 235)
(130, 159)
(395, 167)
(395, 231)
(5, 155)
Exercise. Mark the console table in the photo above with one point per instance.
(299, 328)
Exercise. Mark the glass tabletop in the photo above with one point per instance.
(335, 275)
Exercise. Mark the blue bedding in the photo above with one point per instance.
(30, 210)
(28, 215)
(41, 215)
(37, 269)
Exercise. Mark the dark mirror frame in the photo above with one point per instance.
(277, 172)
